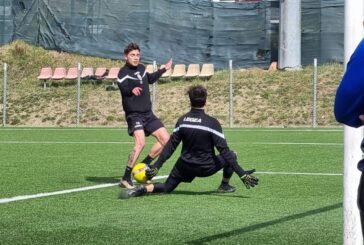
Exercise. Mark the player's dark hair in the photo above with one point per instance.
(198, 96)
(131, 47)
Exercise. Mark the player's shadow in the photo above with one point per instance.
(213, 193)
(250, 228)
(104, 180)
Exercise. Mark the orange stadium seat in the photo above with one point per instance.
(207, 71)
(59, 73)
(113, 73)
(72, 73)
(87, 72)
(167, 73)
(149, 68)
(179, 71)
(45, 74)
(100, 72)
(193, 70)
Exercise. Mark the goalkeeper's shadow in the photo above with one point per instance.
(236, 232)
(209, 193)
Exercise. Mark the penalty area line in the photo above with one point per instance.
(47, 194)
(292, 173)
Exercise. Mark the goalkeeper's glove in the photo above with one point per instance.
(151, 172)
(248, 179)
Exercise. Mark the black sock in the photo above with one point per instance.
(127, 173)
(148, 160)
(224, 182)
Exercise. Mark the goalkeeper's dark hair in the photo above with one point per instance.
(198, 96)
(131, 47)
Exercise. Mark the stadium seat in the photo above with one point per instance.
(207, 71)
(179, 71)
(273, 66)
(167, 73)
(149, 68)
(45, 74)
(59, 73)
(113, 73)
(87, 73)
(100, 72)
(193, 70)
(72, 73)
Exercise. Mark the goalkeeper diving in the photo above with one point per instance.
(200, 135)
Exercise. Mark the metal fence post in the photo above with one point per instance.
(231, 94)
(314, 94)
(154, 87)
(78, 92)
(4, 93)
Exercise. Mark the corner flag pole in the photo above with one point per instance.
(353, 34)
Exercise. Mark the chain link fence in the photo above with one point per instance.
(237, 97)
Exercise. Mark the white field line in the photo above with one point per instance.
(225, 129)
(65, 142)
(309, 174)
(289, 143)
(130, 142)
(46, 194)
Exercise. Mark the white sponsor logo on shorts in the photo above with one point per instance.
(137, 125)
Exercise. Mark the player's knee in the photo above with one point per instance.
(232, 157)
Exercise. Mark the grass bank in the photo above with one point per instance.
(260, 98)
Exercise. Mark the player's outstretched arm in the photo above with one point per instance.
(168, 65)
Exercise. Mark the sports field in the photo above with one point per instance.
(44, 199)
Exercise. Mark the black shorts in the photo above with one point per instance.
(146, 121)
(186, 172)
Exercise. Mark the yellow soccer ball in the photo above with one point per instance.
(138, 172)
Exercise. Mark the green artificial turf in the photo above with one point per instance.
(290, 205)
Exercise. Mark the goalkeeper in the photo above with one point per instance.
(200, 134)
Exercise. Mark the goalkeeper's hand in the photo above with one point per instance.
(248, 179)
(151, 172)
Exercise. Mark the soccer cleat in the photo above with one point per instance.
(126, 183)
(139, 191)
(225, 188)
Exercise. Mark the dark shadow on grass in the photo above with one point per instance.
(211, 193)
(265, 224)
(97, 179)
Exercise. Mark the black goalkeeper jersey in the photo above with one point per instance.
(130, 77)
(200, 135)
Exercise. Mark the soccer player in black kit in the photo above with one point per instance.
(133, 82)
(200, 134)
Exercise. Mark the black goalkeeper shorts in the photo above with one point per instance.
(186, 172)
(145, 121)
